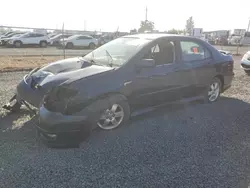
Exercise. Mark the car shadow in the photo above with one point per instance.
(185, 141)
(21, 126)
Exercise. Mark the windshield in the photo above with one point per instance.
(55, 36)
(24, 35)
(119, 50)
(17, 35)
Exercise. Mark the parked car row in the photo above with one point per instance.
(69, 41)
(19, 39)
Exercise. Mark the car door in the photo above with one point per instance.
(27, 38)
(82, 41)
(162, 83)
(39, 38)
(77, 41)
(33, 39)
(199, 66)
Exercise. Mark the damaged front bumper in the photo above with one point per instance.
(54, 127)
(28, 92)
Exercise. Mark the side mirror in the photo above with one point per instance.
(145, 63)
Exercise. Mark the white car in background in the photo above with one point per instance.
(79, 41)
(29, 39)
(245, 62)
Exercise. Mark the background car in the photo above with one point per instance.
(30, 38)
(245, 62)
(6, 34)
(79, 41)
(6, 38)
(55, 41)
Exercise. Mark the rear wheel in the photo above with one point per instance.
(43, 44)
(92, 46)
(69, 45)
(116, 114)
(18, 44)
(213, 91)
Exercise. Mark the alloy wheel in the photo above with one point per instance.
(111, 117)
(214, 91)
(18, 44)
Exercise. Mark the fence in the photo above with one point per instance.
(235, 50)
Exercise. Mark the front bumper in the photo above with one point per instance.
(32, 95)
(54, 127)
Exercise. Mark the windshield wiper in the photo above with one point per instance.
(108, 54)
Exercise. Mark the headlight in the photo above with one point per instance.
(10, 41)
(246, 57)
(57, 99)
(65, 93)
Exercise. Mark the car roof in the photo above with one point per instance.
(153, 36)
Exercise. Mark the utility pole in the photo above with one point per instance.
(248, 27)
(84, 25)
(63, 41)
(146, 16)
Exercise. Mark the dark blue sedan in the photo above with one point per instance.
(121, 77)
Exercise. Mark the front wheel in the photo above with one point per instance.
(213, 92)
(114, 115)
(18, 44)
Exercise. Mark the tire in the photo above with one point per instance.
(216, 82)
(247, 72)
(115, 114)
(69, 45)
(43, 44)
(18, 44)
(92, 46)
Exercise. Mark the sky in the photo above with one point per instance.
(108, 15)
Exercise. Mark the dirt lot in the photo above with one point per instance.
(190, 145)
(12, 63)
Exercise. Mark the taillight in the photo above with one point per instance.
(230, 66)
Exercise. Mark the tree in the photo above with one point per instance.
(172, 31)
(175, 31)
(146, 26)
(189, 26)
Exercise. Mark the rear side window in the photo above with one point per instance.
(84, 37)
(192, 51)
(40, 35)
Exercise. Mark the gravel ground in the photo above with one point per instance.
(192, 145)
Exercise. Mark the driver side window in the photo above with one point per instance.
(162, 52)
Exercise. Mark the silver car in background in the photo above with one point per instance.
(245, 62)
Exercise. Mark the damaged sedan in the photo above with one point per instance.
(103, 88)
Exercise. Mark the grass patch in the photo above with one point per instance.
(12, 63)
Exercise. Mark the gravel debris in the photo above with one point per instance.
(191, 145)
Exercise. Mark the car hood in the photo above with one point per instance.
(69, 70)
